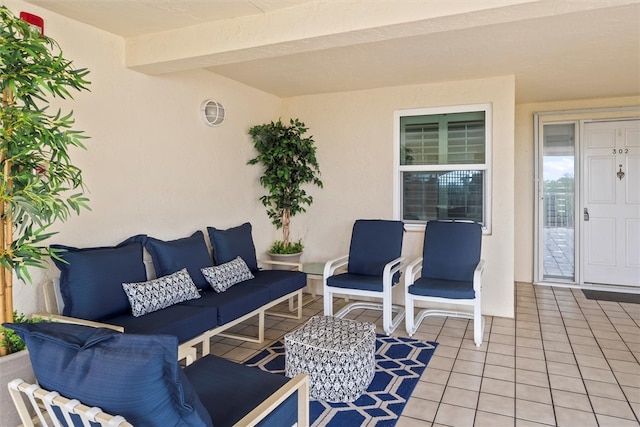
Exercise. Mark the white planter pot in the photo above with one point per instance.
(284, 258)
(16, 365)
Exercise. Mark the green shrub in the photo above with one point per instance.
(9, 340)
(282, 248)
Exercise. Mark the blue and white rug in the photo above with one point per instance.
(399, 364)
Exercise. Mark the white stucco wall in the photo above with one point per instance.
(152, 166)
(354, 135)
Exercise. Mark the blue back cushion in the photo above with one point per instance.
(91, 278)
(174, 255)
(136, 376)
(374, 243)
(451, 250)
(233, 242)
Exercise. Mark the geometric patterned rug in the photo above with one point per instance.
(399, 364)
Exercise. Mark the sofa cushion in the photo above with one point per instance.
(157, 294)
(182, 321)
(235, 302)
(233, 242)
(222, 277)
(91, 278)
(174, 255)
(279, 282)
(245, 386)
(136, 376)
(374, 243)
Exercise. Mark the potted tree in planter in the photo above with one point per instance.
(38, 183)
(289, 162)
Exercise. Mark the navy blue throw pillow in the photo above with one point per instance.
(174, 255)
(136, 376)
(91, 278)
(233, 242)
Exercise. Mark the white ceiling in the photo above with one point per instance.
(556, 49)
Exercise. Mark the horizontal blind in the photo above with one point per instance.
(443, 139)
(465, 142)
(421, 143)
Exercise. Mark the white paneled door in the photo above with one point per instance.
(611, 203)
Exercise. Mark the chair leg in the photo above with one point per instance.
(328, 303)
(409, 319)
(478, 325)
(389, 322)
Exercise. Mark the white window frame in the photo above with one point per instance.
(486, 167)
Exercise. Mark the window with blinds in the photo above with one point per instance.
(443, 165)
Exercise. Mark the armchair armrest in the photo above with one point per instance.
(477, 276)
(299, 383)
(331, 266)
(413, 269)
(76, 321)
(390, 269)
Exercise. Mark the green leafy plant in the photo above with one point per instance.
(10, 342)
(278, 247)
(289, 162)
(38, 183)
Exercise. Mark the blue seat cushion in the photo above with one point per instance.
(136, 376)
(182, 321)
(451, 250)
(174, 255)
(356, 281)
(374, 243)
(233, 242)
(279, 282)
(442, 288)
(233, 303)
(230, 391)
(91, 278)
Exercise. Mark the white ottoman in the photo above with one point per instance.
(337, 354)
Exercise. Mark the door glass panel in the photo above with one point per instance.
(558, 155)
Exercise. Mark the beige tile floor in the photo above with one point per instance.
(564, 360)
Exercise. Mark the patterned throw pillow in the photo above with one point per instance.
(160, 293)
(223, 276)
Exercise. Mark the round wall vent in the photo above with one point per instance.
(212, 112)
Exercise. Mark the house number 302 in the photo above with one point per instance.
(621, 151)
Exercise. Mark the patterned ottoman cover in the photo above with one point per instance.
(337, 354)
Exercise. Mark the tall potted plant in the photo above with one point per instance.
(289, 162)
(38, 183)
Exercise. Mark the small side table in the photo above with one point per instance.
(315, 271)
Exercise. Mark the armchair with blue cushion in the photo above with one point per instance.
(372, 270)
(98, 376)
(451, 274)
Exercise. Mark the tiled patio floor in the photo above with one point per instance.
(559, 253)
(564, 360)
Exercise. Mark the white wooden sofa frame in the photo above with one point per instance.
(42, 401)
(187, 350)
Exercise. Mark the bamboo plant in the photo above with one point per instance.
(38, 183)
(289, 162)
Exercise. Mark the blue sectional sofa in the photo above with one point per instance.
(139, 378)
(115, 287)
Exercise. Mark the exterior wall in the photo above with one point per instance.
(524, 164)
(152, 166)
(354, 135)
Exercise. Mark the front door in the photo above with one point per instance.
(611, 203)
